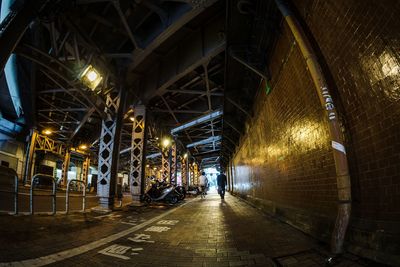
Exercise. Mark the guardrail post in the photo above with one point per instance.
(67, 195)
(53, 195)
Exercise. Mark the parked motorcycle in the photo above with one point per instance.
(161, 191)
(182, 192)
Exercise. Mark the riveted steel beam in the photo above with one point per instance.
(195, 52)
(197, 121)
(211, 139)
(141, 55)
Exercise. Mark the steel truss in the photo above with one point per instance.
(165, 164)
(65, 167)
(184, 172)
(136, 175)
(174, 161)
(108, 156)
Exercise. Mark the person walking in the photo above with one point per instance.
(221, 182)
(203, 181)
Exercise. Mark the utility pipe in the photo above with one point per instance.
(339, 152)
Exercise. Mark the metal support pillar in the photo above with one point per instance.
(184, 172)
(174, 179)
(109, 151)
(30, 152)
(191, 174)
(165, 164)
(196, 173)
(229, 176)
(231, 167)
(65, 167)
(137, 164)
(85, 171)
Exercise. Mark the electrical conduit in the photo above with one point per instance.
(339, 152)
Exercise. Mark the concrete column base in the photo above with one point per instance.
(136, 201)
(106, 205)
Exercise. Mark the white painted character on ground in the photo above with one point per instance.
(118, 251)
(157, 229)
(168, 222)
(141, 238)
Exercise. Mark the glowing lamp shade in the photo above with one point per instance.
(132, 119)
(91, 77)
(47, 131)
(83, 147)
(166, 142)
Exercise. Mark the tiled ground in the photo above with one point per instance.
(201, 232)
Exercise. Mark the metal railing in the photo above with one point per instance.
(11, 172)
(67, 195)
(53, 195)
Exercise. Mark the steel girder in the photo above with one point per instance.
(188, 56)
(109, 151)
(197, 8)
(173, 165)
(136, 175)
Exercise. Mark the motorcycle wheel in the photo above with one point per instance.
(173, 199)
(182, 197)
(147, 199)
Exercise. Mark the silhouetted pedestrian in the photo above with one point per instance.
(221, 182)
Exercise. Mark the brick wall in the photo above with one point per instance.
(285, 163)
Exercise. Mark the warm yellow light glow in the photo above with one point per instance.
(83, 147)
(47, 132)
(132, 119)
(155, 168)
(156, 138)
(91, 77)
(166, 142)
(147, 165)
(185, 155)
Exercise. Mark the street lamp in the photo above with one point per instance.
(166, 142)
(91, 77)
(47, 131)
(83, 147)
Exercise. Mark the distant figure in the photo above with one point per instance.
(203, 182)
(221, 182)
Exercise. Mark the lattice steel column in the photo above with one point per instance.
(85, 170)
(109, 151)
(65, 167)
(174, 179)
(166, 167)
(30, 152)
(184, 172)
(229, 175)
(231, 166)
(196, 173)
(191, 178)
(137, 168)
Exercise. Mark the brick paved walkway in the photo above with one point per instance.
(201, 232)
